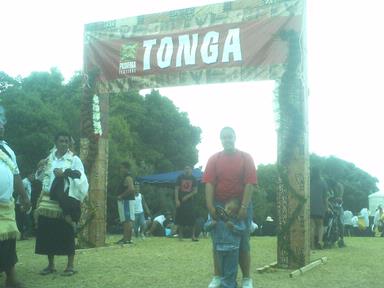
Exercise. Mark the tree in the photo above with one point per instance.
(152, 135)
(264, 199)
(34, 115)
(170, 132)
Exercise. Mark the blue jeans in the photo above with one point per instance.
(245, 237)
(139, 222)
(228, 263)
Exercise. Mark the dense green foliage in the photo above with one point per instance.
(149, 132)
(36, 108)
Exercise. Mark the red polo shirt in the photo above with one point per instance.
(229, 173)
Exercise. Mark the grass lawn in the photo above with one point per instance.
(164, 262)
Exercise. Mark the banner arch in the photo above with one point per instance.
(243, 40)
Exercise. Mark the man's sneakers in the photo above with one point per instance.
(215, 283)
(247, 283)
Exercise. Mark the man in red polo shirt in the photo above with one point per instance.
(228, 174)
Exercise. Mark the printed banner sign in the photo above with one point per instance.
(232, 41)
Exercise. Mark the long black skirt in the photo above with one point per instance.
(8, 257)
(54, 237)
(185, 214)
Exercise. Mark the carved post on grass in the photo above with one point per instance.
(293, 160)
(94, 152)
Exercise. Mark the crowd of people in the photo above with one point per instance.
(59, 186)
(229, 179)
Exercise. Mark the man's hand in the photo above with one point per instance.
(242, 213)
(74, 174)
(177, 203)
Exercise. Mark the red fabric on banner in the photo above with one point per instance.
(258, 41)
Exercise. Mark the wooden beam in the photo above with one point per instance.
(266, 267)
(308, 267)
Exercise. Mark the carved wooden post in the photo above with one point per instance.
(293, 160)
(94, 152)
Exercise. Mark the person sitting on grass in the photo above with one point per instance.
(226, 230)
(159, 224)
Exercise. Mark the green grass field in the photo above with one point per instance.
(165, 262)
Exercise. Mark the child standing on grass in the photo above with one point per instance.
(226, 232)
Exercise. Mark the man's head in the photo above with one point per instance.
(62, 142)
(228, 139)
(136, 185)
(188, 170)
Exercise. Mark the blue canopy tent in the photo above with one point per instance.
(168, 178)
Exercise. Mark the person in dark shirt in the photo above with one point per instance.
(126, 203)
(185, 189)
(318, 207)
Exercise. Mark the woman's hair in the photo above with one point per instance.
(62, 134)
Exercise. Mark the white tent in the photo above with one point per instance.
(375, 200)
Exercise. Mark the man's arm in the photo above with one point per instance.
(246, 201)
(177, 201)
(209, 193)
(20, 191)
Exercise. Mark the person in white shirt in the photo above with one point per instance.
(10, 181)
(160, 223)
(64, 187)
(140, 207)
(347, 216)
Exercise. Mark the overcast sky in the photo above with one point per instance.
(345, 63)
